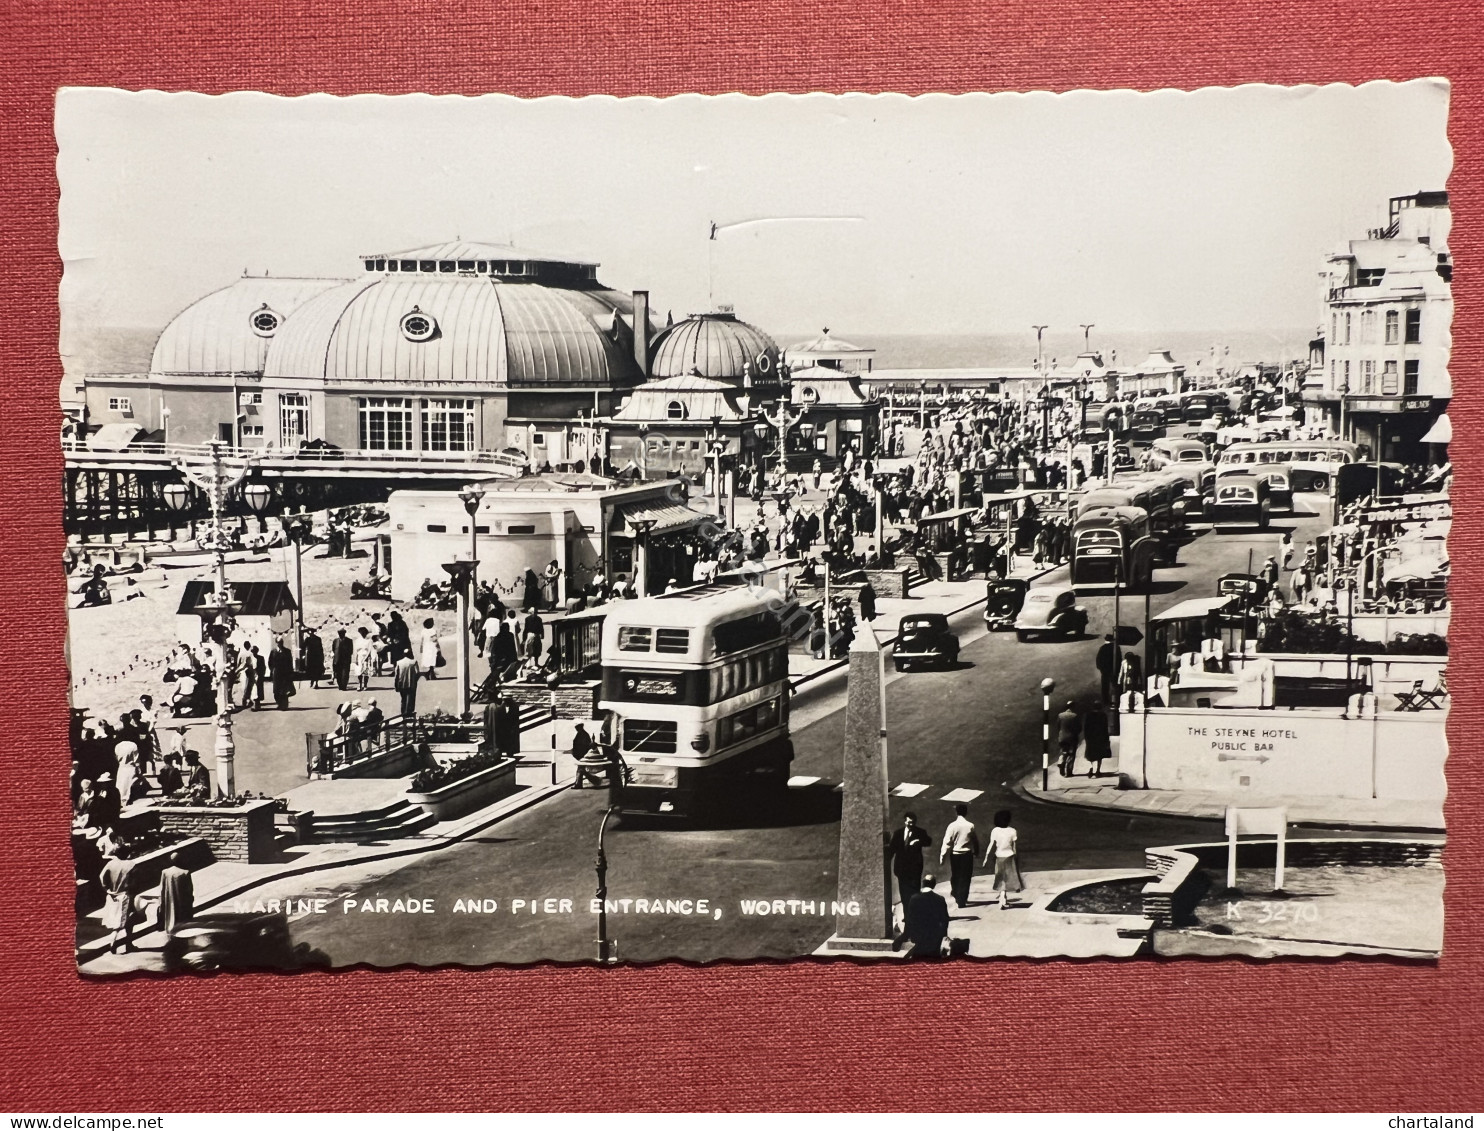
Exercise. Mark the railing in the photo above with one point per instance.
(194, 453)
(331, 752)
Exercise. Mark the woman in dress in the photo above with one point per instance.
(1002, 849)
(428, 650)
(363, 659)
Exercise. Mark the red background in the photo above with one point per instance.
(1223, 1035)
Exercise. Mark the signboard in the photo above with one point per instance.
(1266, 822)
(1390, 404)
(1408, 512)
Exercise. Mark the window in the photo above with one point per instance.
(746, 724)
(293, 420)
(245, 399)
(1370, 276)
(437, 528)
(1367, 376)
(1414, 326)
(1345, 388)
(1390, 386)
(448, 425)
(1347, 329)
(675, 411)
(1334, 374)
(419, 327)
(1334, 328)
(517, 528)
(672, 640)
(631, 639)
(124, 405)
(1368, 326)
(386, 424)
(253, 430)
(265, 321)
(649, 736)
(1393, 327)
(427, 265)
(1409, 378)
(538, 439)
(446, 266)
(409, 264)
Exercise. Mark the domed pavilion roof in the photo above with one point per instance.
(232, 329)
(717, 345)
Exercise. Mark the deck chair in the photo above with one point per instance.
(1432, 698)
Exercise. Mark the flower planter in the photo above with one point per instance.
(468, 794)
(242, 834)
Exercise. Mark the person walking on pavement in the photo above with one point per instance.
(340, 654)
(1095, 736)
(312, 657)
(404, 678)
(925, 921)
(905, 849)
(867, 600)
(1108, 661)
(1003, 847)
(259, 674)
(363, 659)
(960, 846)
(1068, 734)
(429, 652)
(281, 672)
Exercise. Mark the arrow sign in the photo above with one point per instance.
(1241, 757)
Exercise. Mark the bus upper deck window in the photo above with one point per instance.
(672, 640)
(633, 639)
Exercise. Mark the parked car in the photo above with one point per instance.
(924, 638)
(1050, 609)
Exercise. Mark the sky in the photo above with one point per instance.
(883, 214)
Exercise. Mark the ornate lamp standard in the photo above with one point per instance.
(217, 477)
(461, 573)
(471, 496)
(642, 527)
(782, 420)
(716, 447)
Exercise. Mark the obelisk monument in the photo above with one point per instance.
(864, 919)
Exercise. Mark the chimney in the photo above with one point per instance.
(641, 332)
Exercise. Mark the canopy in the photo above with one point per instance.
(664, 515)
(1440, 433)
(1187, 610)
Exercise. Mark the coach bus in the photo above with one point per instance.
(1312, 464)
(695, 696)
(1113, 545)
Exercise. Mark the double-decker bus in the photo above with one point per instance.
(1113, 545)
(695, 696)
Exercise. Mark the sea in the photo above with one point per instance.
(128, 349)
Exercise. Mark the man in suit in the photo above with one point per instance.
(927, 921)
(340, 653)
(404, 678)
(905, 850)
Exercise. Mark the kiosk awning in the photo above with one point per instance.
(1441, 431)
(665, 516)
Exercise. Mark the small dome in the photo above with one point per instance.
(716, 345)
(230, 330)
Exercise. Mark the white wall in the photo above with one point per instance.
(1302, 753)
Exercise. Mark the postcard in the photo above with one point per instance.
(892, 528)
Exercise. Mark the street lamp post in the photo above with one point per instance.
(216, 478)
(460, 573)
(297, 527)
(1048, 685)
(605, 944)
(471, 496)
(716, 446)
(642, 527)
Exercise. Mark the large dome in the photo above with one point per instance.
(231, 330)
(423, 329)
(716, 345)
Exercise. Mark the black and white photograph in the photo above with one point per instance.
(623, 530)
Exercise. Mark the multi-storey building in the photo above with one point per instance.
(1380, 375)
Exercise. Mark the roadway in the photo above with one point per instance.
(973, 729)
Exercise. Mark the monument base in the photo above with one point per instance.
(843, 942)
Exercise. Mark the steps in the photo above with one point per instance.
(389, 822)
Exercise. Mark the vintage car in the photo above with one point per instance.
(924, 638)
(1050, 609)
(1003, 598)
